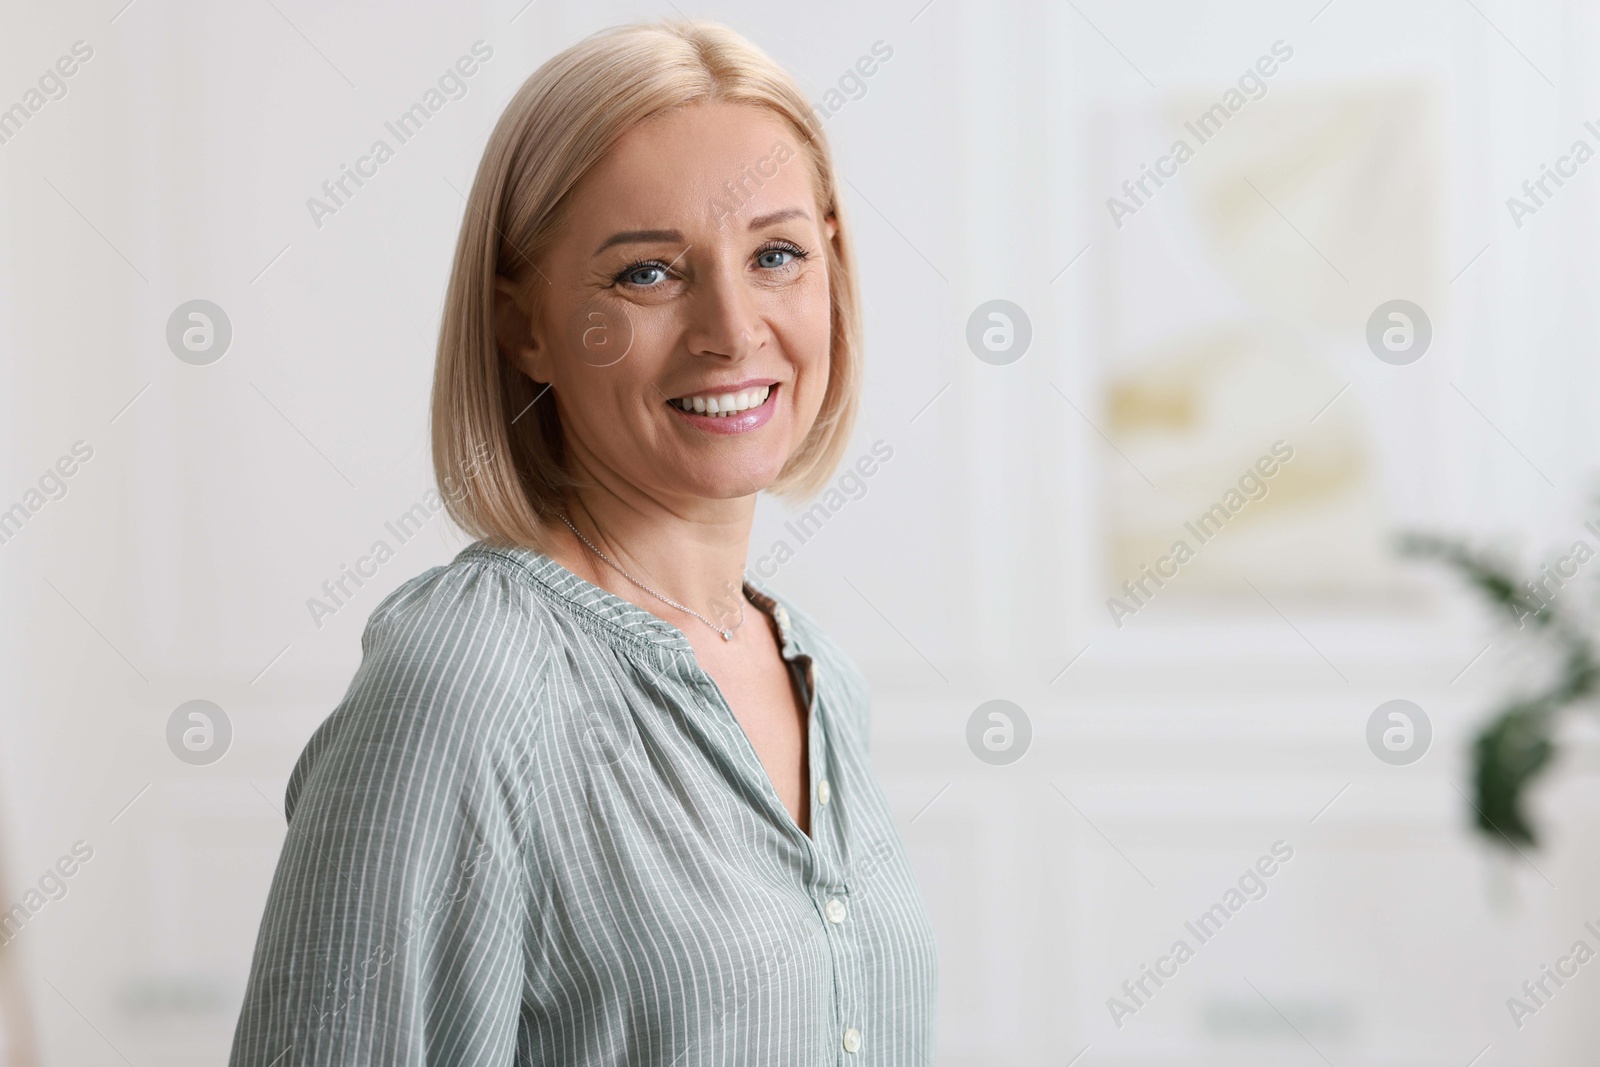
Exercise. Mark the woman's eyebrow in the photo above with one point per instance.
(673, 236)
(628, 237)
(780, 215)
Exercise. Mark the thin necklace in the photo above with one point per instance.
(727, 634)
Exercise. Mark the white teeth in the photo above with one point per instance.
(726, 403)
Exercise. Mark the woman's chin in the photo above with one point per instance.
(728, 480)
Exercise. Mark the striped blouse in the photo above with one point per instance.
(533, 832)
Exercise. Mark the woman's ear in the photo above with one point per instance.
(832, 224)
(514, 334)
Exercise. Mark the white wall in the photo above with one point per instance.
(1170, 756)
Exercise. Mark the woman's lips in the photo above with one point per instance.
(742, 422)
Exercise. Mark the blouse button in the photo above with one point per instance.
(852, 1039)
(834, 910)
(824, 791)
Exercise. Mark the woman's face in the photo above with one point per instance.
(689, 282)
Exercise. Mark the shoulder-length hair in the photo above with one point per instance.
(497, 449)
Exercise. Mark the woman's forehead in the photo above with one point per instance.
(695, 165)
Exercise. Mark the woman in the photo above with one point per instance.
(592, 799)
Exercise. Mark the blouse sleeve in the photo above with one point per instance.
(395, 925)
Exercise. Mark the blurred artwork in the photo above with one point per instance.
(1238, 294)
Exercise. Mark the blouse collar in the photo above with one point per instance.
(620, 616)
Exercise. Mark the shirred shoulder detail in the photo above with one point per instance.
(452, 662)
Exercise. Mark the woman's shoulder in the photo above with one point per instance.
(473, 627)
(477, 596)
(451, 668)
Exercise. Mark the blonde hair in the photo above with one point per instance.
(503, 475)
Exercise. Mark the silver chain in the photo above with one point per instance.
(727, 634)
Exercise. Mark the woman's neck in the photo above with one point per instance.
(693, 554)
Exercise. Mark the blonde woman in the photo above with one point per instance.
(592, 797)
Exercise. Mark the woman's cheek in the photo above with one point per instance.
(811, 313)
(653, 334)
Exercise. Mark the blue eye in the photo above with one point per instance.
(644, 275)
(779, 255)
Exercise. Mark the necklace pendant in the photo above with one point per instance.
(727, 635)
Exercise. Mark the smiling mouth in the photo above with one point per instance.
(724, 404)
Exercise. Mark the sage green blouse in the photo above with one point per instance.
(533, 832)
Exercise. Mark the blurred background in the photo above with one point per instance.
(1356, 273)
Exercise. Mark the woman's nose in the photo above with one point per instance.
(726, 320)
